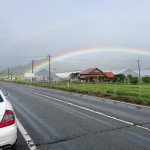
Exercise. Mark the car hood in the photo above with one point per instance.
(2, 109)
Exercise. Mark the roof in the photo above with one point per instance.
(91, 71)
(109, 74)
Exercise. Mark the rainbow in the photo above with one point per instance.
(64, 56)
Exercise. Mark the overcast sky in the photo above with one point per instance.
(31, 29)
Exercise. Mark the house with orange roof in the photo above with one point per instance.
(95, 75)
(108, 76)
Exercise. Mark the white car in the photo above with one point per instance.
(8, 126)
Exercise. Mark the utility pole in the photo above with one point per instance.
(139, 78)
(49, 59)
(32, 66)
(32, 69)
(11, 75)
(8, 72)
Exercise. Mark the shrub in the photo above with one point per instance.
(134, 80)
(146, 79)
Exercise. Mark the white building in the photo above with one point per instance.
(65, 75)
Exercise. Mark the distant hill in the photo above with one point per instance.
(18, 70)
(64, 66)
(56, 67)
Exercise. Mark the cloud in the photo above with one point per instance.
(57, 27)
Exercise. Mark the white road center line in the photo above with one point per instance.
(26, 136)
(90, 110)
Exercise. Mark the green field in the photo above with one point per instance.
(114, 89)
(122, 92)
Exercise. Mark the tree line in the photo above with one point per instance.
(119, 78)
(130, 79)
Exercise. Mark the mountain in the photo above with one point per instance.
(56, 67)
(18, 70)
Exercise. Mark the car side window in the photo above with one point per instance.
(1, 99)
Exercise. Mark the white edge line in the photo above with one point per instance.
(127, 103)
(102, 98)
(26, 136)
(90, 110)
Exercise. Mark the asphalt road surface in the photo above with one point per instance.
(57, 120)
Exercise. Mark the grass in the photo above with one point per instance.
(122, 92)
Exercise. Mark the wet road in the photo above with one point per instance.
(57, 120)
(21, 143)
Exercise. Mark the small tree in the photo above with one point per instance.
(119, 78)
(74, 75)
(134, 80)
(100, 77)
(146, 79)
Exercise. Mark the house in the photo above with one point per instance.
(10, 77)
(40, 76)
(91, 74)
(108, 76)
(95, 75)
(29, 77)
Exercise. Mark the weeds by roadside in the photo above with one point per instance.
(119, 92)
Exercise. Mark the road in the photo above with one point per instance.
(57, 120)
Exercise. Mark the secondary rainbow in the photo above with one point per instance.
(64, 56)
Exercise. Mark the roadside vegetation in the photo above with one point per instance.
(122, 88)
(132, 93)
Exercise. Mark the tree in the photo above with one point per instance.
(119, 78)
(99, 78)
(134, 80)
(146, 79)
(74, 76)
(128, 78)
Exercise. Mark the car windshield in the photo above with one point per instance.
(1, 99)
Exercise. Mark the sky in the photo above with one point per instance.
(32, 29)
